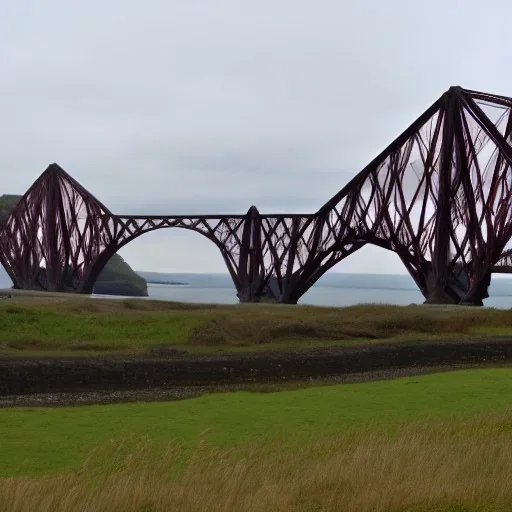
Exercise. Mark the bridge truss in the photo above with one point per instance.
(439, 196)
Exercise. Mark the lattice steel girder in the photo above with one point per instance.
(59, 237)
(439, 196)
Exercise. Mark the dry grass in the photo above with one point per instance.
(60, 323)
(263, 325)
(463, 465)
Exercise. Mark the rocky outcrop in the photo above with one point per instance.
(117, 278)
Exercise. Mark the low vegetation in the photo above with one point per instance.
(419, 470)
(439, 442)
(32, 325)
(37, 440)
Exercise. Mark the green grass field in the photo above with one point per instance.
(37, 440)
(437, 442)
(57, 325)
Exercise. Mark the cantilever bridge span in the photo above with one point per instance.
(439, 196)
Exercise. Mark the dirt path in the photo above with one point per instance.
(80, 381)
(183, 392)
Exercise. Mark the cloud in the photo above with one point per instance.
(204, 106)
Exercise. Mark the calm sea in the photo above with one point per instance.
(317, 296)
(332, 290)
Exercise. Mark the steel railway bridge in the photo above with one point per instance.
(439, 196)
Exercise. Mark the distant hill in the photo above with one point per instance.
(117, 278)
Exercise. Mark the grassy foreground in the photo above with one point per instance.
(84, 326)
(443, 466)
(436, 442)
(37, 440)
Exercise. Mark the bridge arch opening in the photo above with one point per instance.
(178, 264)
(371, 274)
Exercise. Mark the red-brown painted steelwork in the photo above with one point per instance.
(439, 196)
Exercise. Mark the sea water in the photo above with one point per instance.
(333, 289)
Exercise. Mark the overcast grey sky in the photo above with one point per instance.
(201, 106)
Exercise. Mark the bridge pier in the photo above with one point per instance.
(272, 291)
(251, 295)
(289, 290)
(477, 293)
(257, 292)
(461, 288)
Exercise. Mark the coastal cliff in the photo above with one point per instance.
(118, 278)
